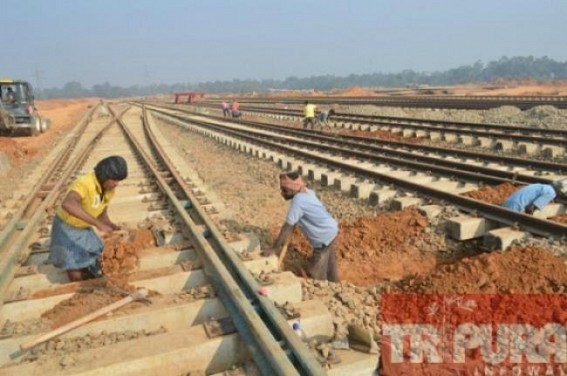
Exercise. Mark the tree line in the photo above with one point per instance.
(520, 67)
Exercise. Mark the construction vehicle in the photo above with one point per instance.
(18, 114)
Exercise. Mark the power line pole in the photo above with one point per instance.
(38, 77)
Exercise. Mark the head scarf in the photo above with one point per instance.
(561, 186)
(296, 185)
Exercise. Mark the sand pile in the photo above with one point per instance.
(371, 250)
(493, 195)
(519, 270)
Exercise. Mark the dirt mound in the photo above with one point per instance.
(375, 249)
(502, 115)
(120, 253)
(79, 305)
(547, 117)
(356, 91)
(519, 270)
(559, 218)
(493, 195)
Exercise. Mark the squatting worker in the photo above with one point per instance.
(324, 116)
(535, 196)
(314, 220)
(75, 246)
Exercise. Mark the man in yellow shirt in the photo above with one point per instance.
(309, 114)
(75, 246)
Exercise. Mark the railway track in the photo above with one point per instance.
(378, 173)
(429, 101)
(207, 313)
(547, 143)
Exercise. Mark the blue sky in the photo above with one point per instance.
(129, 42)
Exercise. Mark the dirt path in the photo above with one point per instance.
(23, 152)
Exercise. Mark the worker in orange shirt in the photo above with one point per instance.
(235, 107)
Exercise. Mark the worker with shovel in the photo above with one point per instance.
(320, 228)
(75, 246)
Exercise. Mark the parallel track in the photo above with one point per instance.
(515, 133)
(426, 101)
(324, 150)
(268, 337)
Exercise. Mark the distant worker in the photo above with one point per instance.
(75, 246)
(103, 111)
(225, 109)
(324, 116)
(320, 228)
(235, 108)
(10, 97)
(309, 114)
(534, 197)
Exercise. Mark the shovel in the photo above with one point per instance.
(284, 251)
(138, 295)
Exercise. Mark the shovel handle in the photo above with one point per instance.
(83, 320)
(283, 252)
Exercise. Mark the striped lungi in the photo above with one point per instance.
(73, 248)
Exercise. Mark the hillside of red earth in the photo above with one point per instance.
(375, 249)
(517, 270)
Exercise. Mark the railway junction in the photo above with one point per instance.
(418, 201)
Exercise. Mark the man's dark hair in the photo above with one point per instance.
(306, 102)
(331, 112)
(113, 167)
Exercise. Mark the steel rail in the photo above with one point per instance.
(350, 153)
(408, 159)
(542, 137)
(489, 211)
(465, 102)
(264, 348)
(559, 168)
(401, 120)
(298, 352)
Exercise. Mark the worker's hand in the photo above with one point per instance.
(116, 227)
(268, 252)
(104, 228)
(530, 209)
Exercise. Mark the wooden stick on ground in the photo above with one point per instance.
(83, 320)
(284, 251)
